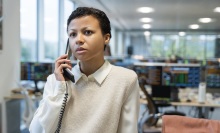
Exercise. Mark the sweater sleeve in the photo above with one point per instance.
(46, 117)
(129, 114)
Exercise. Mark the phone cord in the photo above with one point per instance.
(62, 111)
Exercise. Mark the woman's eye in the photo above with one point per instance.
(72, 34)
(88, 32)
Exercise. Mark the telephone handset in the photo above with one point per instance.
(66, 72)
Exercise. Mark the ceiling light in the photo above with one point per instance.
(182, 33)
(147, 33)
(146, 26)
(205, 20)
(194, 26)
(217, 9)
(146, 20)
(145, 9)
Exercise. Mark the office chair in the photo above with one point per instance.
(181, 124)
(152, 108)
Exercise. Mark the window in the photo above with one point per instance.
(67, 11)
(192, 46)
(28, 32)
(51, 15)
(195, 46)
(157, 46)
(43, 29)
(210, 46)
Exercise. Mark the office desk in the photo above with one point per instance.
(195, 104)
(203, 108)
(12, 112)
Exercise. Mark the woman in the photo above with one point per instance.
(104, 97)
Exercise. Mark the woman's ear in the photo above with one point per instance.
(107, 38)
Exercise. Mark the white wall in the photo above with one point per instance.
(10, 55)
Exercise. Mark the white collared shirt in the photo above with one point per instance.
(106, 101)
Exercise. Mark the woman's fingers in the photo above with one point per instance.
(60, 64)
(62, 61)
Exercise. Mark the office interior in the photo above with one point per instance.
(177, 39)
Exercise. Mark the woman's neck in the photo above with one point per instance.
(89, 67)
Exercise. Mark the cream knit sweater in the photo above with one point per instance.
(105, 102)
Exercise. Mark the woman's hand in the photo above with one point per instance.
(60, 64)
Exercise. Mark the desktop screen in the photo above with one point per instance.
(176, 75)
(213, 77)
(181, 76)
(152, 74)
(35, 71)
(161, 93)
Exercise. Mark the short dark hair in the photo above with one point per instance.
(98, 14)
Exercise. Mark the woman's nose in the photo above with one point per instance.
(79, 39)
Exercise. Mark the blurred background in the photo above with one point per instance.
(178, 40)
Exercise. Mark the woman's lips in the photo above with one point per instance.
(80, 50)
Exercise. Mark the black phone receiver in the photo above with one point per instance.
(68, 74)
(66, 71)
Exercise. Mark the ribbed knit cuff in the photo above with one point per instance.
(60, 87)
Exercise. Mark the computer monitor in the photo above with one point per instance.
(213, 77)
(166, 78)
(161, 93)
(151, 73)
(181, 76)
(36, 71)
(169, 74)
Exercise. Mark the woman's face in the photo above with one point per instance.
(86, 38)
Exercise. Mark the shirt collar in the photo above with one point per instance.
(98, 75)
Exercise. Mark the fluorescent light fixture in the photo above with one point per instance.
(217, 9)
(194, 26)
(146, 20)
(205, 20)
(182, 33)
(146, 26)
(145, 9)
(147, 33)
